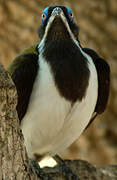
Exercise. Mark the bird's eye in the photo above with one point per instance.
(43, 16)
(71, 15)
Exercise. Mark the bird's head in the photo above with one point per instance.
(57, 23)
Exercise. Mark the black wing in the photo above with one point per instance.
(103, 71)
(23, 71)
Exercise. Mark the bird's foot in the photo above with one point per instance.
(65, 169)
(39, 171)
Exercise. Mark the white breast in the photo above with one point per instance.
(46, 112)
(51, 124)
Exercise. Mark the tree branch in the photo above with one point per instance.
(14, 163)
(13, 159)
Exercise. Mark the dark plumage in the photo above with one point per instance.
(73, 26)
(24, 76)
(71, 76)
(103, 71)
(61, 86)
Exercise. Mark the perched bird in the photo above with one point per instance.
(61, 86)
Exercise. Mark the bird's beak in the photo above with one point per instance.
(57, 11)
(57, 26)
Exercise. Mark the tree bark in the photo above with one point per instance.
(14, 163)
(19, 21)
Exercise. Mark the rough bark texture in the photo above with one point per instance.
(14, 163)
(85, 171)
(13, 158)
(97, 19)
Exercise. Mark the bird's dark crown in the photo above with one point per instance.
(58, 30)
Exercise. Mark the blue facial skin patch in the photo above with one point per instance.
(45, 11)
(69, 11)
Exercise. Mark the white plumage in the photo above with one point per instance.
(51, 124)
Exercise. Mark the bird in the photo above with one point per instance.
(61, 85)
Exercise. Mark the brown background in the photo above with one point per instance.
(97, 19)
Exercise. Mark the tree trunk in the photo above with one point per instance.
(14, 163)
(13, 158)
(19, 21)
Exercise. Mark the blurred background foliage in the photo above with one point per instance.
(19, 21)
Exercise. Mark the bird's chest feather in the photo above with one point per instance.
(46, 103)
(58, 113)
(69, 68)
(46, 110)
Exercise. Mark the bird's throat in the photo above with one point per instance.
(69, 68)
(57, 31)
